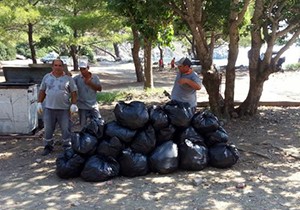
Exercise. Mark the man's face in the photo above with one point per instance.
(84, 71)
(57, 65)
(183, 69)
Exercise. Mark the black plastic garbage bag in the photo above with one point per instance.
(165, 134)
(144, 141)
(191, 134)
(179, 113)
(158, 117)
(133, 164)
(100, 168)
(133, 115)
(95, 127)
(69, 164)
(192, 156)
(110, 147)
(164, 159)
(223, 155)
(205, 122)
(84, 143)
(218, 136)
(124, 134)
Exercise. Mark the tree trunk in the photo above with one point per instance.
(235, 20)
(148, 65)
(135, 55)
(212, 81)
(30, 42)
(74, 56)
(117, 51)
(74, 51)
(256, 68)
(250, 105)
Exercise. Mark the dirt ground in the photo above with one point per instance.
(267, 176)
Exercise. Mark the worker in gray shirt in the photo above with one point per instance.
(58, 95)
(186, 84)
(88, 85)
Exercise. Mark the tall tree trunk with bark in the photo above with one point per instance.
(74, 51)
(148, 65)
(117, 51)
(135, 55)
(235, 20)
(74, 55)
(31, 44)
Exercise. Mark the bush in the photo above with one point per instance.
(87, 51)
(293, 67)
(23, 49)
(7, 52)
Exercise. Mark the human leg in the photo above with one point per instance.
(49, 127)
(63, 117)
(82, 117)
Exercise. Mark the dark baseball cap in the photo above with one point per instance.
(184, 61)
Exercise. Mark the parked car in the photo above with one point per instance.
(49, 57)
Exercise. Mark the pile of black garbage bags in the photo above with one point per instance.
(160, 139)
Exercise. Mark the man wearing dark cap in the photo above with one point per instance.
(186, 83)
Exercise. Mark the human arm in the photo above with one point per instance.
(42, 95)
(93, 82)
(73, 97)
(73, 107)
(190, 83)
(94, 86)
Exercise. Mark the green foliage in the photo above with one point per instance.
(292, 67)
(108, 97)
(87, 51)
(7, 52)
(23, 49)
(150, 18)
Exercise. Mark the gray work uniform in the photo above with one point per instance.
(87, 99)
(57, 106)
(185, 93)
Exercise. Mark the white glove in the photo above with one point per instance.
(73, 108)
(39, 108)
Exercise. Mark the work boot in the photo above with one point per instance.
(47, 150)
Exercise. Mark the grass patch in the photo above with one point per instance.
(111, 96)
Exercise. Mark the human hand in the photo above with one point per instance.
(39, 108)
(73, 108)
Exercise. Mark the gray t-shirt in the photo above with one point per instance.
(87, 97)
(185, 93)
(58, 91)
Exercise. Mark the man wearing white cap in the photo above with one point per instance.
(88, 84)
(186, 83)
